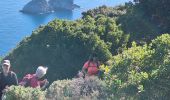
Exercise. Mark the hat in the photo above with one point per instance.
(6, 62)
(41, 71)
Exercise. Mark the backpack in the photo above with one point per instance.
(97, 63)
(27, 78)
(100, 72)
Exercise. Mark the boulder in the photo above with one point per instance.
(37, 7)
(62, 4)
(44, 6)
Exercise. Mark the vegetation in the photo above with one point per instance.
(145, 71)
(21, 93)
(90, 88)
(132, 21)
(157, 11)
(130, 38)
(65, 45)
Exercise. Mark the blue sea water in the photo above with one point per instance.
(14, 25)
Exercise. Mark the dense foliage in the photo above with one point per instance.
(21, 93)
(78, 89)
(144, 20)
(142, 72)
(65, 45)
(138, 73)
(158, 11)
(90, 88)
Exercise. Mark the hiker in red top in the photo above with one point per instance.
(33, 80)
(91, 67)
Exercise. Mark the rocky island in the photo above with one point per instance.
(44, 6)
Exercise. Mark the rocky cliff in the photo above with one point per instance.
(36, 7)
(62, 4)
(44, 6)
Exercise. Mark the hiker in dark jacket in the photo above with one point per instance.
(7, 77)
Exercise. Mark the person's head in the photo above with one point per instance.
(41, 71)
(93, 58)
(6, 66)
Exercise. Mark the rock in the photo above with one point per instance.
(36, 7)
(62, 4)
(76, 6)
(42, 6)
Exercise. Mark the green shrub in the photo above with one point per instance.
(89, 88)
(132, 20)
(107, 11)
(157, 11)
(142, 72)
(22, 93)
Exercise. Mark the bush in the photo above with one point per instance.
(107, 11)
(142, 72)
(157, 11)
(89, 88)
(132, 20)
(22, 93)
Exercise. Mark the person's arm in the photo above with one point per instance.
(15, 79)
(44, 84)
(85, 67)
(23, 83)
(98, 64)
(84, 71)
